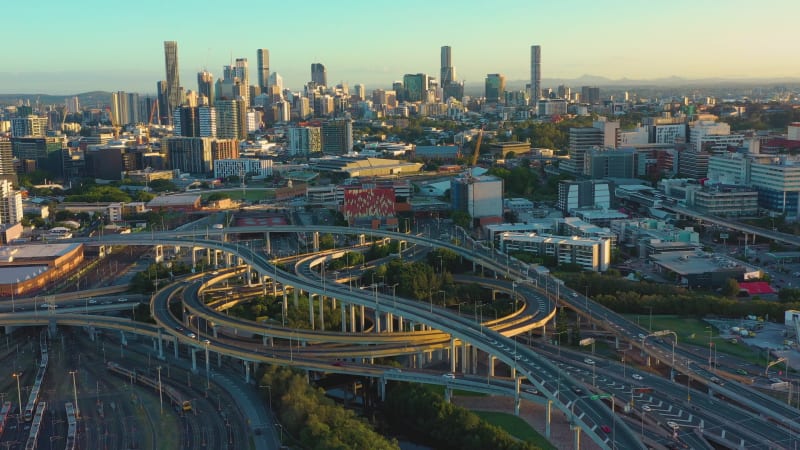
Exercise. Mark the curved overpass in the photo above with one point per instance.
(591, 414)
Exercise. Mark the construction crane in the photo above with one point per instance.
(477, 150)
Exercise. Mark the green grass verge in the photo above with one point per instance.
(515, 427)
(249, 195)
(693, 331)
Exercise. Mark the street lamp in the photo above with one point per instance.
(281, 428)
(19, 392)
(75, 392)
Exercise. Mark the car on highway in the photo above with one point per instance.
(450, 376)
(636, 376)
(206, 341)
(742, 372)
(191, 335)
(532, 391)
(589, 361)
(577, 390)
(605, 428)
(672, 425)
(92, 301)
(574, 294)
(646, 408)
(716, 380)
(641, 336)
(122, 299)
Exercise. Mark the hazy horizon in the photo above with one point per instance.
(97, 48)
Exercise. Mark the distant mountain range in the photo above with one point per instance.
(103, 98)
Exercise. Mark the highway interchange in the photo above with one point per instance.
(724, 423)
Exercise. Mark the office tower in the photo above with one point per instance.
(163, 103)
(447, 74)
(495, 87)
(602, 134)
(7, 171)
(573, 195)
(173, 77)
(415, 87)
(590, 94)
(119, 108)
(205, 86)
(319, 75)
(262, 59)
(73, 105)
(276, 80)
(360, 92)
(187, 121)
(536, 73)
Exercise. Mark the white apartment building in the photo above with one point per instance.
(224, 168)
(591, 254)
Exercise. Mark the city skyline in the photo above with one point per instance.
(681, 38)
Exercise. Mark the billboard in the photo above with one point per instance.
(368, 203)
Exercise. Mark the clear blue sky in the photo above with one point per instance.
(62, 47)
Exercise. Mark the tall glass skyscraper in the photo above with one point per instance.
(173, 78)
(536, 73)
(262, 57)
(319, 75)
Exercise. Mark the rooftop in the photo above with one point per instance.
(23, 252)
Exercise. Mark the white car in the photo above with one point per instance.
(673, 425)
(450, 376)
(589, 361)
(531, 391)
(646, 408)
(636, 376)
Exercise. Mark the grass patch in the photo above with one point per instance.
(515, 427)
(693, 331)
(249, 194)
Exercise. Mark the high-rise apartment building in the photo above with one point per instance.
(305, 140)
(189, 154)
(536, 73)
(602, 134)
(337, 136)
(173, 86)
(262, 61)
(231, 119)
(10, 204)
(590, 94)
(495, 88)
(28, 126)
(7, 171)
(415, 87)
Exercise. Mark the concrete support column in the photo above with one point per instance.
(382, 388)
(362, 318)
(400, 324)
(333, 303)
(194, 359)
(517, 381)
(194, 257)
(284, 305)
(344, 317)
(513, 371)
(214, 331)
(208, 363)
(389, 323)
(160, 345)
(452, 355)
(464, 358)
(311, 309)
(246, 371)
(491, 365)
(175, 346)
(322, 312)
(353, 318)
(547, 414)
(474, 360)
(267, 245)
(577, 437)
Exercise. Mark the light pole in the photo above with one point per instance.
(19, 392)
(281, 428)
(75, 392)
(377, 310)
(710, 333)
(269, 388)
(160, 396)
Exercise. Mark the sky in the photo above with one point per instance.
(61, 47)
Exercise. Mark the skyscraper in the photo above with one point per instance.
(205, 86)
(173, 78)
(536, 73)
(262, 59)
(448, 72)
(495, 88)
(319, 75)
